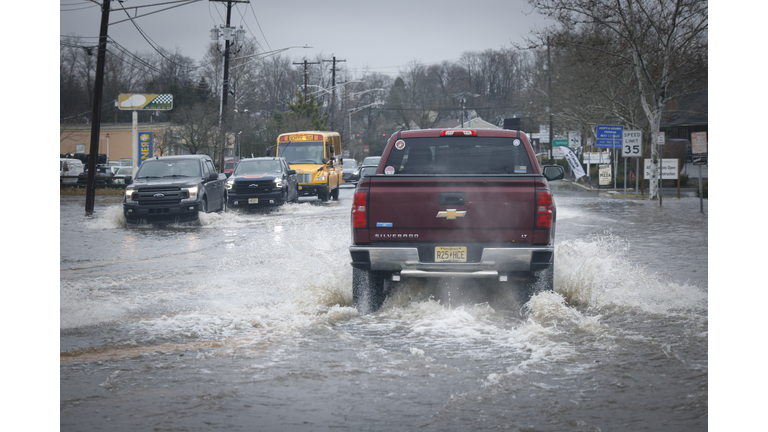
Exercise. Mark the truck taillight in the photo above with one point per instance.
(543, 209)
(360, 210)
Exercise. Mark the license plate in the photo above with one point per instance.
(253, 200)
(451, 254)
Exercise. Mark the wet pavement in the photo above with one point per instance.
(245, 322)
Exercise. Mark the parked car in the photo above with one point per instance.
(264, 181)
(70, 168)
(174, 188)
(104, 176)
(350, 170)
(121, 173)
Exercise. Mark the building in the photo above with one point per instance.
(115, 139)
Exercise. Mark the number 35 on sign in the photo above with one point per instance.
(633, 144)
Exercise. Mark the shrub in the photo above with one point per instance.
(703, 190)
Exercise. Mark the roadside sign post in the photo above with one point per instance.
(699, 150)
(610, 136)
(589, 162)
(632, 147)
(660, 140)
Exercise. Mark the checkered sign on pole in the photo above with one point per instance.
(132, 102)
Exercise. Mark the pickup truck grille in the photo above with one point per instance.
(255, 186)
(153, 196)
(304, 177)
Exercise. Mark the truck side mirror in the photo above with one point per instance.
(128, 179)
(553, 172)
(269, 152)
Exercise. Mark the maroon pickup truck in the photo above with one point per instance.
(453, 203)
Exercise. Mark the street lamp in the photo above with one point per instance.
(239, 146)
(463, 107)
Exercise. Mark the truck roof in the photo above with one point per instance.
(420, 133)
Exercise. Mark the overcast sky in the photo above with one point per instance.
(381, 36)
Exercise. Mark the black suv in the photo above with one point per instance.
(256, 182)
(174, 189)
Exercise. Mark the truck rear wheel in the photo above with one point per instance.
(367, 290)
(335, 194)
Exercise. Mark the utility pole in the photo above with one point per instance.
(225, 81)
(305, 63)
(90, 191)
(333, 86)
(549, 94)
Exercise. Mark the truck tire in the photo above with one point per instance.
(323, 195)
(335, 194)
(541, 280)
(367, 290)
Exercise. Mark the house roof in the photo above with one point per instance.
(476, 123)
(687, 110)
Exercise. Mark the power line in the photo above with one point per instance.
(150, 13)
(242, 21)
(77, 9)
(153, 4)
(153, 43)
(84, 113)
(259, 25)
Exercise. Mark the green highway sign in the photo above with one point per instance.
(560, 142)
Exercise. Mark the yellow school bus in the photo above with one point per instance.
(316, 157)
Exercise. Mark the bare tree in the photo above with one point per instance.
(199, 125)
(663, 43)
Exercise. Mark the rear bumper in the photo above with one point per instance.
(494, 261)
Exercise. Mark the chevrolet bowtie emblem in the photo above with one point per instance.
(451, 214)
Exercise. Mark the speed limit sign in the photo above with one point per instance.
(633, 144)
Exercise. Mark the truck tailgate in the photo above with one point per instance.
(452, 209)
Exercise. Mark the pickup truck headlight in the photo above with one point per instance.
(192, 193)
(128, 195)
(230, 183)
(278, 183)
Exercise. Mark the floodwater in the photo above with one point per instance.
(244, 322)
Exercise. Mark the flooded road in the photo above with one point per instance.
(245, 322)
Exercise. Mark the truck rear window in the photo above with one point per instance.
(463, 155)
